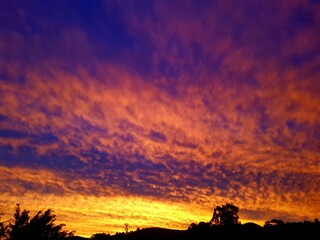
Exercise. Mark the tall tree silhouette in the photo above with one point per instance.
(225, 215)
(17, 229)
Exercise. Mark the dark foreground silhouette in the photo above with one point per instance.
(203, 231)
(224, 225)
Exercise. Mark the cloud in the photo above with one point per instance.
(197, 105)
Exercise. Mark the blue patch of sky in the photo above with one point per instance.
(104, 26)
(9, 79)
(12, 134)
(3, 118)
(301, 18)
(43, 139)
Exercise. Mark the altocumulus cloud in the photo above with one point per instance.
(152, 110)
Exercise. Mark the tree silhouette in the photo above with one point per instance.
(40, 227)
(126, 228)
(17, 229)
(225, 215)
(3, 231)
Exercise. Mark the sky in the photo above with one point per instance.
(152, 113)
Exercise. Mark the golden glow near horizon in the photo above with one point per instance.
(88, 214)
(114, 120)
(94, 214)
(102, 214)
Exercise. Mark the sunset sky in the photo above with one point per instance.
(152, 113)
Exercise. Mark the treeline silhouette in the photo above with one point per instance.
(224, 225)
